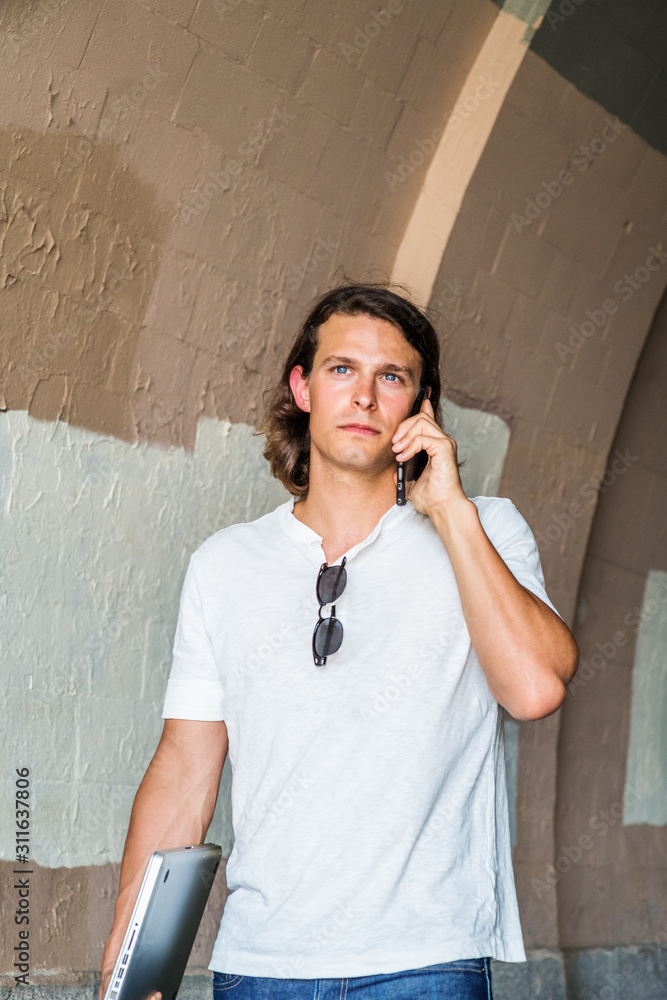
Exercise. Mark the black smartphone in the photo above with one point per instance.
(400, 475)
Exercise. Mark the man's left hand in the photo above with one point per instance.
(440, 483)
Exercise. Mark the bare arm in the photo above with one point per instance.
(173, 807)
(526, 651)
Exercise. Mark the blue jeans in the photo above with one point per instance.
(466, 979)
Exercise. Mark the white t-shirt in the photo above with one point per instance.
(369, 802)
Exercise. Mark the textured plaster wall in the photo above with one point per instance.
(173, 193)
(96, 538)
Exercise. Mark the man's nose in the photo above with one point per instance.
(364, 393)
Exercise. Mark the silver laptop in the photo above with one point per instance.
(164, 923)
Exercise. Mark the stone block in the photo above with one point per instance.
(331, 86)
(345, 155)
(179, 11)
(542, 977)
(524, 262)
(152, 147)
(251, 104)
(174, 295)
(521, 165)
(479, 231)
(650, 180)
(421, 86)
(289, 11)
(132, 47)
(281, 54)
(375, 114)
(231, 26)
(61, 33)
(101, 410)
(618, 973)
(333, 26)
(588, 236)
(537, 91)
(293, 155)
(387, 53)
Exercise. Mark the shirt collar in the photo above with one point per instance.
(310, 543)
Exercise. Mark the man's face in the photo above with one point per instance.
(364, 382)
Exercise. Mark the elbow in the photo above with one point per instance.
(537, 708)
(545, 683)
(543, 704)
(553, 692)
(547, 696)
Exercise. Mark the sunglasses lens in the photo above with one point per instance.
(331, 585)
(328, 636)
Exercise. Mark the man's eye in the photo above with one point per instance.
(394, 376)
(339, 366)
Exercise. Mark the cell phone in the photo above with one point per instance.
(400, 475)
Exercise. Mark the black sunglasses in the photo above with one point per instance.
(328, 634)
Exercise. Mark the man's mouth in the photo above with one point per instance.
(360, 428)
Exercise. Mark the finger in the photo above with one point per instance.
(420, 442)
(430, 430)
(411, 423)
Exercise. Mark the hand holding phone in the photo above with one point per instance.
(401, 497)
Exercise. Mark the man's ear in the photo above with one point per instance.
(299, 386)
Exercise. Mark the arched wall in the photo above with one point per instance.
(183, 177)
(557, 256)
(611, 763)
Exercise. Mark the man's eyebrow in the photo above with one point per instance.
(388, 366)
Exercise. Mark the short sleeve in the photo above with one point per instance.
(194, 689)
(515, 543)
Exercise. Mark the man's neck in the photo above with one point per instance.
(344, 513)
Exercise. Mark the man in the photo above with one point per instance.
(352, 655)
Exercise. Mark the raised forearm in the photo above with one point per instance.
(526, 652)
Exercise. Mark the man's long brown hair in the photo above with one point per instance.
(287, 426)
